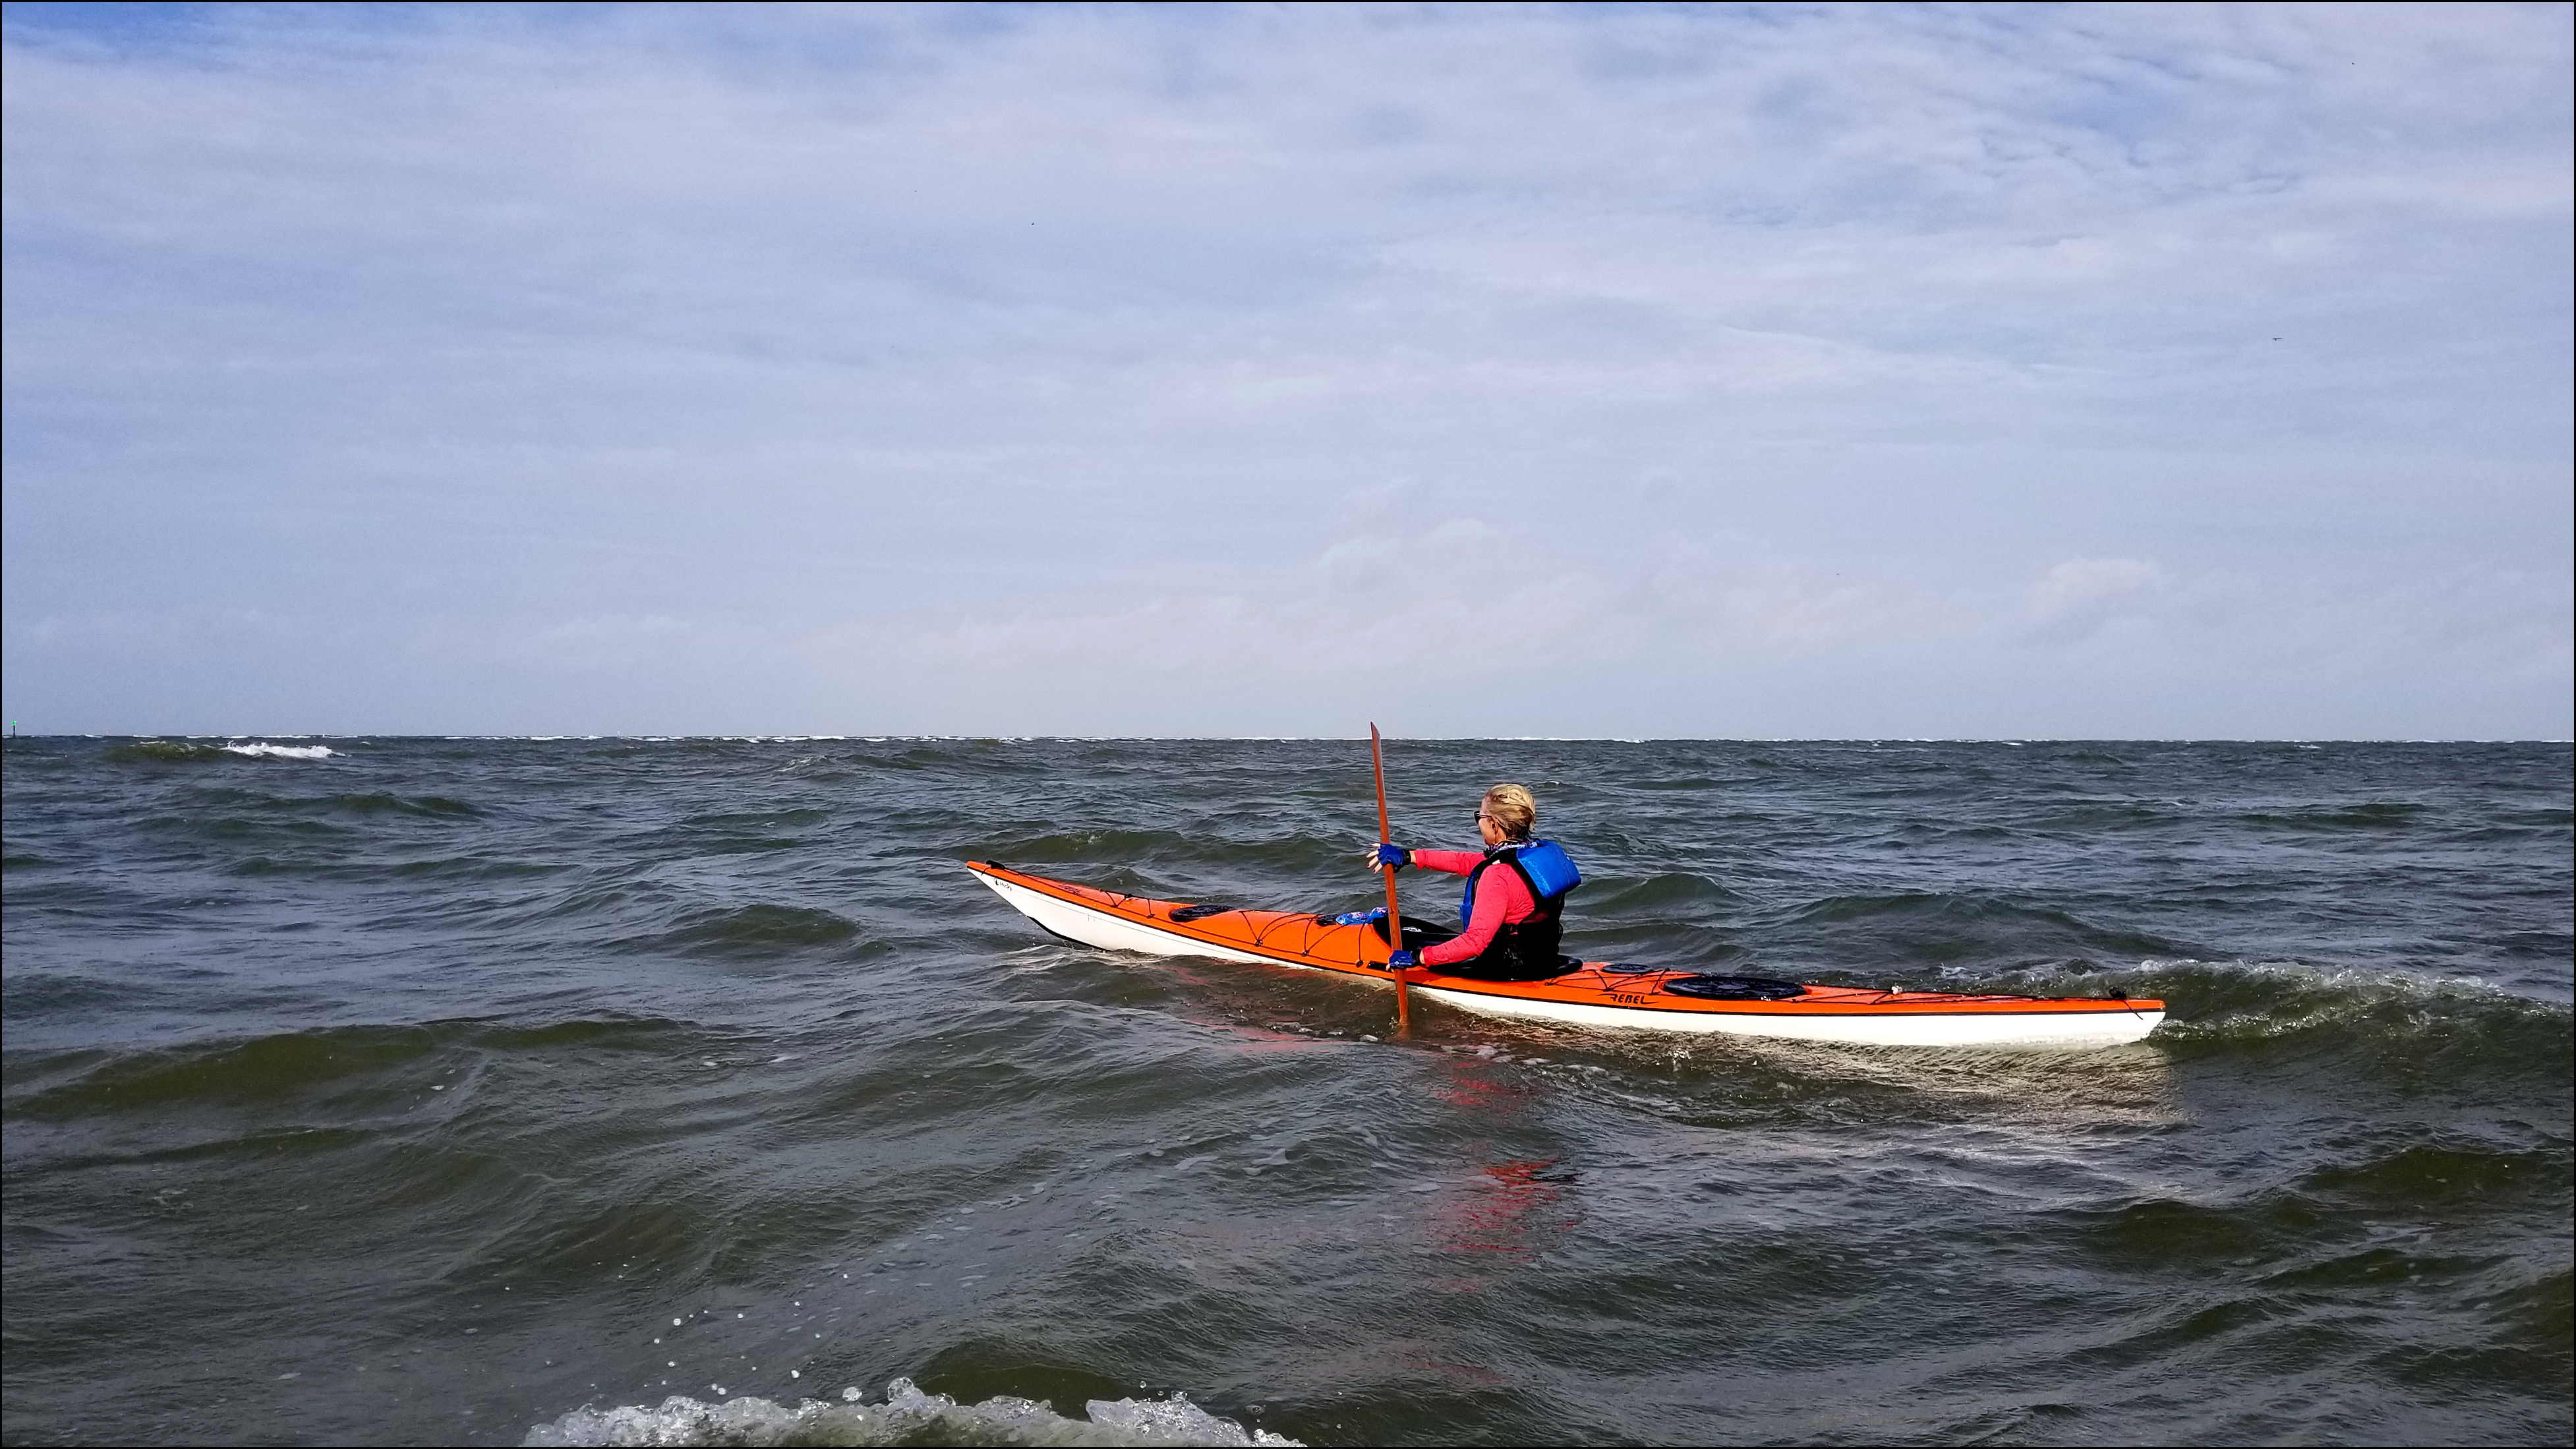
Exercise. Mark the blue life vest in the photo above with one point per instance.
(1550, 870)
(1543, 865)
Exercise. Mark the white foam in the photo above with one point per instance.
(908, 1416)
(284, 752)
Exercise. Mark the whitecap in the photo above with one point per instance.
(908, 1416)
(283, 752)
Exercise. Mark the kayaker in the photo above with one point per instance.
(1512, 917)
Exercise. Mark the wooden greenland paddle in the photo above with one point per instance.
(1394, 919)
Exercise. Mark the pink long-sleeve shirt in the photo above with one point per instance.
(1502, 899)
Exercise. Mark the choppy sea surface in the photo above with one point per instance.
(393, 1090)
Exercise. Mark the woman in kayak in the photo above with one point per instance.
(1512, 917)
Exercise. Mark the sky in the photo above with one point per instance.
(1800, 371)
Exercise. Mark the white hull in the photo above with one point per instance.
(1112, 932)
(1914, 1029)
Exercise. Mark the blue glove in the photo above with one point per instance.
(1402, 961)
(1383, 855)
(1360, 918)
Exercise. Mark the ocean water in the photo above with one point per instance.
(391, 1090)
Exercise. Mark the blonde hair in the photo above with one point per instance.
(1513, 808)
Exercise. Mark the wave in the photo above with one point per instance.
(382, 804)
(2369, 815)
(1935, 926)
(168, 752)
(162, 752)
(1663, 895)
(369, 803)
(2454, 1170)
(759, 929)
(802, 815)
(908, 1416)
(349, 1067)
(2425, 1028)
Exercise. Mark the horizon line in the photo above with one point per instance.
(786, 738)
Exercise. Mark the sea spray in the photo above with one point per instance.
(908, 1416)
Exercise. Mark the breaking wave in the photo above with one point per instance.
(175, 752)
(262, 748)
(908, 1416)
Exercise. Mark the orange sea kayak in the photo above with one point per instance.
(1593, 993)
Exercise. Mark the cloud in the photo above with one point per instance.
(2075, 599)
(704, 352)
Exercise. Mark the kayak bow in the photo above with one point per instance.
(1594, 993)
